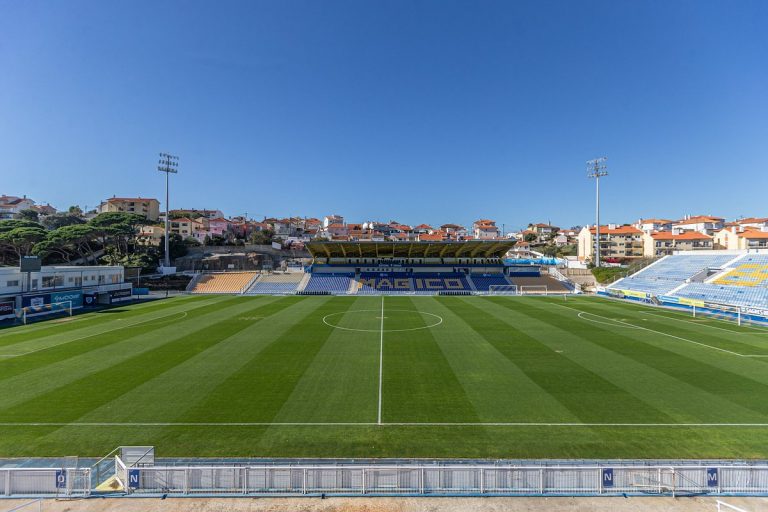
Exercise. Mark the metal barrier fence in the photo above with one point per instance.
(457, 480)
(45, 482)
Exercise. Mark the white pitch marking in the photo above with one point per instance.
(381, 356)
(439, 320)
(662, 333)
(183, 315)
(599, 321)
(731, 331)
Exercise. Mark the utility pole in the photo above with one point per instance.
(597, 169)
(167, 164)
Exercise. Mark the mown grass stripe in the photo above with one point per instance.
(651, 372)
(587, 394)
(77, 397)
(259, 388)
(66, 350)
(419, 382)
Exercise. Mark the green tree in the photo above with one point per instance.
(29, 214)
(61, 219)
(530, 237)
(21, 240)
(263, 237)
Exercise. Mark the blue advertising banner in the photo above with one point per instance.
(141, 291)
(35, 300)
(75, 297)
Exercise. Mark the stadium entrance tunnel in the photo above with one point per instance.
(394, 320)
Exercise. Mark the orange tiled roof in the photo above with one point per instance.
(691, 235)
(620, 230)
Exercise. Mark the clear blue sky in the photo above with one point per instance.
(420, 111)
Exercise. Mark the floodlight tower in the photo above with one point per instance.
(597, 169)
(168, 164)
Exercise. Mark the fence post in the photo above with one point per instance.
(421, 481)
(599, 480)
(482, 480)
(304, 482)
(541, 480)
(245, 480)
(186, 480)
(364, 473)
(659, 480)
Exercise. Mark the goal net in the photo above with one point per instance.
(502, 289)
(534, 290)
(45, 310)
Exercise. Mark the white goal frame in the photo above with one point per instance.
(534, 289)
(503, 289)
(727, 312)
(45, 309)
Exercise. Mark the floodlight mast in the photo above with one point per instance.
(168, 164)
(597, 169)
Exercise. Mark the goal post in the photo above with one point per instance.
(718, 312)
(64, 308)
(539, 289)
(503, 289)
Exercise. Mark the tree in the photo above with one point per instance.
(21, 240)
(61, 219)
(530, 237)
(75, 210)
(79, 238)
(176, 246)
(263, 237)
(29, 214)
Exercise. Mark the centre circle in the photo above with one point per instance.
(370, 320)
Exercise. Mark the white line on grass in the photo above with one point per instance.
(662, 333)
(381, 356)
(732, 331)
(182, 313)
(368, 424)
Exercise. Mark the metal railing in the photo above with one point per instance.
(448, 480)
(45, 482)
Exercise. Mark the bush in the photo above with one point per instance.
(607, 274)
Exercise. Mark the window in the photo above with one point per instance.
(13, 283)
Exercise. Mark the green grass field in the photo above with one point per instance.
(431, 377)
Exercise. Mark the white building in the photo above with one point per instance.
(11, 205)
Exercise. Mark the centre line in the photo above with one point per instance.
(381, 355)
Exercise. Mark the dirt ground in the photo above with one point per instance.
(651, 504)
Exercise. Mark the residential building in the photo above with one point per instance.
(663, 243)
(485, 229)
(735, 239)
(653, 225)
(193, 213)
(702, 223)
(146, 207)
(454, 231)
(150, 235)
(11, 205)
(44, 209)
(332, 219)
(616, 243)
(185, 227)
(759, 223)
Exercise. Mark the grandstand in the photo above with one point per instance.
(275, 284)
(221, 282)
(719, 278)
(390, 268)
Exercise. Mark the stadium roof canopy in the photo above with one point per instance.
(469, 249)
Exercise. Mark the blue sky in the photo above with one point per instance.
(419, 111)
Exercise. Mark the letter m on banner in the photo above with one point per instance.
(607, 477)
(712, 477)
(133, 478)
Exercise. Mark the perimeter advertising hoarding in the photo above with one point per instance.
(75, 297)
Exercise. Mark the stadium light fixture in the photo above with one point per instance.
(597, 169)
(169, 164)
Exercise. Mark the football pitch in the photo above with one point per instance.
(460, 377)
